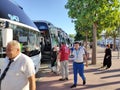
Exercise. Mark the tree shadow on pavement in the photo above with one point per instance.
(107, 71)
(53, 85)
(112, 76)
(90, 70)
(91, 87)
(117, 89)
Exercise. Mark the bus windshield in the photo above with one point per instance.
(28, 38)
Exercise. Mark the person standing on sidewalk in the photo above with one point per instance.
(78, 63)
(107, 58)
(18, 71)
(64, 56)
(53, 58)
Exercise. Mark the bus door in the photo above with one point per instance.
(6, 35)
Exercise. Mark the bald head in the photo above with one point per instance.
(13, 49)
(14, 43)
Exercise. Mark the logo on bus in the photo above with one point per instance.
(13, 17)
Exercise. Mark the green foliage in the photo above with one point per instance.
(86, 12)
(99, 14)
(84, 32)
(72, 35)
(112, 33)
(79, 37)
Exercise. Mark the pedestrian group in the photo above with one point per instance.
(18, 71)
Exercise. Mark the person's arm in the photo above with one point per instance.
(110, 53)
(85, 58)
(32, 83)
(58, 56)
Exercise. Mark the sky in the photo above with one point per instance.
(49, 10)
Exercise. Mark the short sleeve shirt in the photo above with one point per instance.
(17, 76)
(78, 55)
(65, 52)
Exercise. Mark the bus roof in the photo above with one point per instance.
(12, 11)
(19, 24)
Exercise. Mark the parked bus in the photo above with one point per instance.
(51, 36)
(63, 37)
(15, 25)
(48, 33)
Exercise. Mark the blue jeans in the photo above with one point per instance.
(78, 68)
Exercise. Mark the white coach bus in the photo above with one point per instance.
(15, 25)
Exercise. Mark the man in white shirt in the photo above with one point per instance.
(20, 75)
(78, 63)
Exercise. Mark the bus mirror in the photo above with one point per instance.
(4, 24)
(7, 36)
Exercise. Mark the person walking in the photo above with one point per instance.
(64, 56)
(54, 53)
(78, 63)
(107, 57)
(58, 62)
(18, 71)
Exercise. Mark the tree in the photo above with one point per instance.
(112, 33)
(79, 37)
(84, 32)
(72, 35)
(99, 14)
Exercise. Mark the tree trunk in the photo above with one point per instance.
(86, 40)
(94, 43)
(119, 43)
(114, 43)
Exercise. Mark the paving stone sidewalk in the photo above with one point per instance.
(96, 79)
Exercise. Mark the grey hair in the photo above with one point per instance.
(14, 43)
